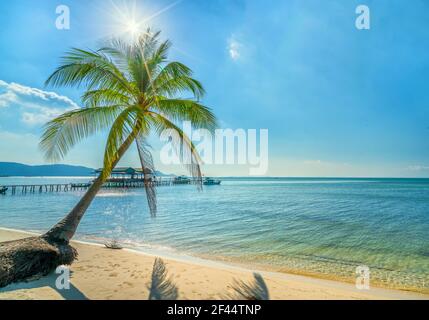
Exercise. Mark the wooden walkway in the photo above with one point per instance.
(110, 184)
(24, 189)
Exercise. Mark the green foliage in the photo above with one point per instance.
(131, 90)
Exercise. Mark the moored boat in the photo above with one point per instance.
(211, 182)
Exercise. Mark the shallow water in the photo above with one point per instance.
(325, 227)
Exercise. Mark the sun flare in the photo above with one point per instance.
(129, 19)
(132, 27)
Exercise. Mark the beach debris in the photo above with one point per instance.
(113, 244)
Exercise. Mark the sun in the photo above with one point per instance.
(128, 19)
(132, 27)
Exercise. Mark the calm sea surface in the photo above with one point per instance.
(322, 227)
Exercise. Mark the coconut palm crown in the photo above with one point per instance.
(131, 90)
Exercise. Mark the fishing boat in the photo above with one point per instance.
(3, 190)
(182, 180)
(211, 182)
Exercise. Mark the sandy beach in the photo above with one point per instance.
(102, 273)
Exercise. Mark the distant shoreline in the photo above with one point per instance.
(14, 169)
(19, 170)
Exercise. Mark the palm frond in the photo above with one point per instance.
(148, 42)
(147, 164)
(124, 128)
(91, 69)
(62, 133)
(176, 78)
(144, 65)
(186, 110)
(100, 97)
(119, 53)
(184, 147)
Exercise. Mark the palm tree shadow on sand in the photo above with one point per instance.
(162, 286)
(73, 293)
(256, 290)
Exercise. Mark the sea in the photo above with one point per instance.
(321, 227)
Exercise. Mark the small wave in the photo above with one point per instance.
(129, 243)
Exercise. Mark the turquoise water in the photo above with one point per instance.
(322, 227)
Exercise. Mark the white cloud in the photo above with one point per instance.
(7, 98)
(33, 92)
(36, 106)
(234, 48)
(40, 117)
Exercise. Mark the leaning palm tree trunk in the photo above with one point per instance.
(131, 91)
(38, 256)
(64, 230)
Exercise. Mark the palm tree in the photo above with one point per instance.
(131, 90)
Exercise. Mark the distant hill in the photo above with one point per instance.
(13, 169)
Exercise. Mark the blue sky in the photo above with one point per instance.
(337, 101)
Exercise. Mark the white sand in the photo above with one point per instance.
(102, 273)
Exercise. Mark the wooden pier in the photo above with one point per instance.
(136, 183)
(43, 188)
(110, 184)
